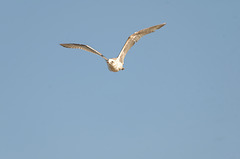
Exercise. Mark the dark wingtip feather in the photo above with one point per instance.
(62, 45)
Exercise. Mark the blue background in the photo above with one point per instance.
(178, 97)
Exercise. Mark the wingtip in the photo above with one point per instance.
(62, 45)
(164, 23)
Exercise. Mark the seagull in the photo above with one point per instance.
(116, 64)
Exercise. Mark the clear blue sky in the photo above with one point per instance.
(178, 97)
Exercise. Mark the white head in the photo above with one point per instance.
(111, 61)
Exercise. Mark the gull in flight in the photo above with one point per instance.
(116, 64)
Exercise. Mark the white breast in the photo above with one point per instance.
(114, 65)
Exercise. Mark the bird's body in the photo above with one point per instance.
(116, 64)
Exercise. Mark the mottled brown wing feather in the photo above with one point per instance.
(83, 47)
(134, 38)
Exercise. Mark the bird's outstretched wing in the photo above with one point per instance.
(83, 47)
(134, 38)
